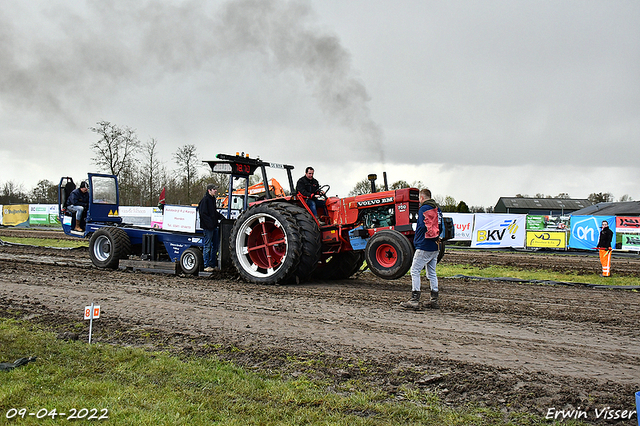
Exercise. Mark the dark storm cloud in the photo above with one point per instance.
(98, 47)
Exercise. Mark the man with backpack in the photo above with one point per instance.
(426, 242)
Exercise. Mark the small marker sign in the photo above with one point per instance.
(91, 312)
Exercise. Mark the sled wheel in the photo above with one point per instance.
(275, 242)
(191, 261)
(107, 246)
(340, 266)
(389, 254)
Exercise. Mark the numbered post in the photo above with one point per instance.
(91, 312)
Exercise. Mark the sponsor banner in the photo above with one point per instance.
(139, 216)
(630, 242)
(535, 222)
(15, 215)
(499, 230)
(628, 225)
(547, 239)
(463, 225)
(156, 218)
(548, 223)
(180, 218)
(585, 231)
(38, 214)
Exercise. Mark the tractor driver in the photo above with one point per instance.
(78, 202)
(310, 189)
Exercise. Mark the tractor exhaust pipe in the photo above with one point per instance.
(372, 178)
(386, 185)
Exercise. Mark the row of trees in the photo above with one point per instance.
(142, 175)
(141, 172)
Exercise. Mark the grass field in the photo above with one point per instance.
(132, 386)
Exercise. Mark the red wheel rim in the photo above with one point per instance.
(266, 244)
(386, 255)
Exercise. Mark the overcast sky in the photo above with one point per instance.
(476, 99)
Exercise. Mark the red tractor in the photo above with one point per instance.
(279, 240)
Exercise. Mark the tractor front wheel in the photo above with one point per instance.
(389, 254)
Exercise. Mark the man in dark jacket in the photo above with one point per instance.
(209, 217)
(310, 189)
(78, 203)
(426, 242)
(604, 247)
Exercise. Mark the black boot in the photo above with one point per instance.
(433, 302)
(414, 302)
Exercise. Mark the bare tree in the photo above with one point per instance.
(12, 193)
(187, 161)
(116, 148)
(151, 172)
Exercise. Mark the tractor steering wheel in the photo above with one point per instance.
(322, 189)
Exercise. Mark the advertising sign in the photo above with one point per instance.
(156, 218)
(585, 231)
(15, 215)
(630, 242)
(139, 216)
(547, 239)
(38, 214)
(499, 230)
(463, 225)
(628, 225)
(53, 214)
(180, 218)
(548, 223)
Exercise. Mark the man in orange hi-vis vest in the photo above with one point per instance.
(604, 246)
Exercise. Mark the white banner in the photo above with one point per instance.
(499, 230)
(133, 215)
(463, 225)
(180, 218)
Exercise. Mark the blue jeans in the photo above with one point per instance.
(210, 249)
(78, 210)
(421, 259)
(313, 205)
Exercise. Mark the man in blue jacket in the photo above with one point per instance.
(78, 202)
(426, 242)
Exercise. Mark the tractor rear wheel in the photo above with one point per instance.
(340, 266)
(107, 246)
(389, 254)
(275, 242)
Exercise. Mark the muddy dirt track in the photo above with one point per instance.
(510, 346)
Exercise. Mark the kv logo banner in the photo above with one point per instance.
(499, 231)
(585, 230)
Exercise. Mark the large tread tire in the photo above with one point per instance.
(311, 240)
(107, 246)
(191, 261)
(275, 243)
(340, 266)
(389, 254)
